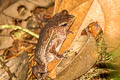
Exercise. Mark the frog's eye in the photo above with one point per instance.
(63, 24)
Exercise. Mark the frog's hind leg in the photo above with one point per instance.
(36, 71)
(39, 73)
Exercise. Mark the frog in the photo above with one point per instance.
(50, 41)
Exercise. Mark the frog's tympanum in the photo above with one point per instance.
(50, 40)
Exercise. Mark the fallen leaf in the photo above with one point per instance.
(18, 67)
(67, 4)
(5, 4)
(5, 19)
(4, 43)
(111, 10)
(57, 5)
(42, 3)
(21, 9)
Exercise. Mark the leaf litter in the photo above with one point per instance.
(27, 43)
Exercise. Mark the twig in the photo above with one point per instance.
(19, 28)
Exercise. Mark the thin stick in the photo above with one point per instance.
(19, 28)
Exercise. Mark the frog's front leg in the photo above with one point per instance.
(55, 48)
(54, 52)
(70, 32)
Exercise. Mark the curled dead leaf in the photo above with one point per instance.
(79, 64)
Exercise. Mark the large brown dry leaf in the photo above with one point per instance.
(67, 4)
(57, 5)
(21, 9)
(111, 10)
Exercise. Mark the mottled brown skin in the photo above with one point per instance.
(50, 41)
